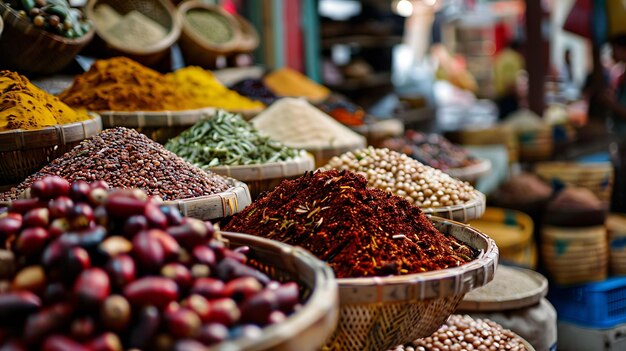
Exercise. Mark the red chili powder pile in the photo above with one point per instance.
(358, 231)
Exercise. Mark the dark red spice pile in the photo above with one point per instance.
(358, 231)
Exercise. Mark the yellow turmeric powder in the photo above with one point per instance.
(121, 84)
(25, 106)
(289, 82)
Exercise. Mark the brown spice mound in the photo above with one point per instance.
(126, 158)
(358, 231)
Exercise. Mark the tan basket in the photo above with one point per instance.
(196, 49)
(23, 152)
(265, 177)
(597, 177)
(380, 312)
(249, 36)
(160, 126)
(575, 255)
(25, 48)
(161, 11)
(215, 206)
(473, 209)
(379, 131)
(307, 328)
(496, 135)
(616, 227)
(471, 173)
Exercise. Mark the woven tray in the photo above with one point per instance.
(472, 209)
(215, 206)
(306, 329)
(380, 312)
(472, 172)
(23, 152)
(264, 177)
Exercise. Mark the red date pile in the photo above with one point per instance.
(83, 267)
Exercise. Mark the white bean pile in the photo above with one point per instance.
(404, 176)
(463, 333)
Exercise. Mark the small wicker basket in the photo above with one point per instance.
(472, 209)
(597, 176)
(26, 48)
(161, 11)
(249, 36)
(381, 312)
(307, 328)
(471, 173)
(215, 206)
(23, 152)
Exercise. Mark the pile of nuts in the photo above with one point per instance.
(401, 175)
(86, 268)
(463, 333)
(127, 159)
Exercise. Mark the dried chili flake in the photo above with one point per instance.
(357, 230)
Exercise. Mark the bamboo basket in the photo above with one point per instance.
(26, 48)
(379, 131)
(597, 176)
(472, 209)
(380, 312)
(215, 206)
(265, 177)
(471, 173)
(575, 255)
(616, 227)
(161, 11)
(535, 145)
(249, 36)
(159, 126)
(196, 49)
(307, 328)
(23, 152)
(497, 135)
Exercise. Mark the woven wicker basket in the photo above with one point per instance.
(249, 36)
(195, 48)
(25, 48)
(160, 126)
(161, 11)
(597, 177)
(470, 210)
(23, 152)
(306, 329)
(381, 312)
(471, 173)
(265, 177)
(379, 131)
(616, 227)
(215, 206)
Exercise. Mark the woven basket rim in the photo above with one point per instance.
(323, 301)
(472, 171)
(163, 44)
(249, 39)
(478, 202)
(139, 119)
(293, 166)
(421, 286)
(522, 220)
(197, 39)
(26, 27)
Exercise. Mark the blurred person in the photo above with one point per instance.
(614, 97)
(508, 63)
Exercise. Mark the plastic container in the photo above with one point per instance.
(593, 305)
(575, 338)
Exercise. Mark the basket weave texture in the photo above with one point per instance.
(23, 152)
(597, 177)
(215, 206)
(307, 328)
(473, 209)
(381, 312)
(26, 48)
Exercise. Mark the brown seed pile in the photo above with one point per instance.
(404, 176)
(125, 158)
(464, 333)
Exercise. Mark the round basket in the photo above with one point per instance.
(499, 135)
(616, 227)
(26, 48)
(196, 49)
(474, 208)
(23, 152)
(160, 126)
(307, 328)
(215, 206)
(595, 176)
(471, 173)
(379, 131)
(380, 312)
(161, 11)
(249, 36)
(265, 177)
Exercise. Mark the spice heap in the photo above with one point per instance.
(134, 29)
(121, 84)
(431, 149)
(462, 332)
(523, 188)
(288, 82)
(210, 25)
(358, 231)
(227, 140)
(24, 106)
(343, 111)
(255, 90)
(84, 268)
(127, 159)
(54, 16)
(401, 175)
(299, 124)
